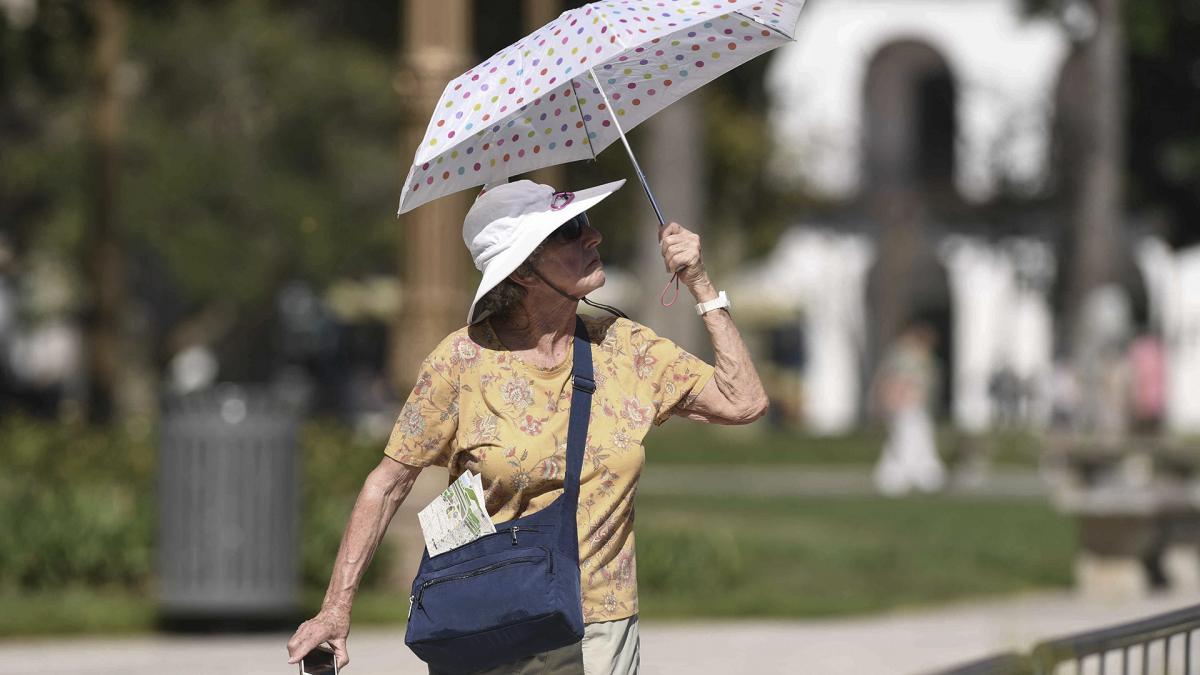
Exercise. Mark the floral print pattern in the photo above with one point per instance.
(531, 425)
(478, 406)
(517, 392)
(635, 413)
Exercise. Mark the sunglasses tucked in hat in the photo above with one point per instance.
(508, 221)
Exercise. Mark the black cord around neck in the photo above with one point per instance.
(608, 308)
(598, 305)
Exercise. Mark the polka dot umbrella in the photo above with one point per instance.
(574, 86)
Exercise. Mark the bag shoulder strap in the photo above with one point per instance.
(584, 386)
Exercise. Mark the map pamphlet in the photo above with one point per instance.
(457, 516)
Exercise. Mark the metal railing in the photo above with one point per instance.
(1160, 645)
(1141, 647)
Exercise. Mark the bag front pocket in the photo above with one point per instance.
(491, 590)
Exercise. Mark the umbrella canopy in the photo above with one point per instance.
(569, 90)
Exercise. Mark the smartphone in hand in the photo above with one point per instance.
(320, 661)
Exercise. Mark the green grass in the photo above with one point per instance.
(808, 557)
(702, 557)
(684, 442)
(75, 611)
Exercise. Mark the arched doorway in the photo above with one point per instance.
(910, 123)
(909, 145)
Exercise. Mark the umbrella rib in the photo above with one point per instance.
(616, 32)
(586, 133)
(767, 26)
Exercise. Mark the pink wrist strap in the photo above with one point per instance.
(675, 278)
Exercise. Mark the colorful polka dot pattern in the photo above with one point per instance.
(534, 104)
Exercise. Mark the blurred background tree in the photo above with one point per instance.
(257, 145)
(1162, 74)
(1164, 94)
(261, 148)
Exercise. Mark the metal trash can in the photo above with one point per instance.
(228, 506)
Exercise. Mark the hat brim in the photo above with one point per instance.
(534, 228)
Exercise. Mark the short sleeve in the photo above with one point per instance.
(669, 373)
(428, 422)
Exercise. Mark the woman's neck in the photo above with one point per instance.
(545, 327)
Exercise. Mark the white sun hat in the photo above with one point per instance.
(508, 221)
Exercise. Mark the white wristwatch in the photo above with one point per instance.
(716, 303)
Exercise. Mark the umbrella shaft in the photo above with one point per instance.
(636, 167)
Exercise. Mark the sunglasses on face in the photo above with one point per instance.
(572, 229)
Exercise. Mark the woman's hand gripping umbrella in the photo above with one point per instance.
(574, 86)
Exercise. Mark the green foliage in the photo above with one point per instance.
(1163, 140)
(77, 505)
(1164, 104)
(41, 126)
(335, 465)
(258, 145)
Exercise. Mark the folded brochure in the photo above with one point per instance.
(457, 516)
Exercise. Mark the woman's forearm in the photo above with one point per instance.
(735, 374)
(382, 493)
(739, 397)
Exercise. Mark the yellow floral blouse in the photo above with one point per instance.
(478, 406)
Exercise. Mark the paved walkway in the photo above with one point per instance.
(905, 642)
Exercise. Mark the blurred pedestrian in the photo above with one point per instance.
(1148, 375)
(494, 397)
(904, 390)
(1065, 396)
(1102, 363)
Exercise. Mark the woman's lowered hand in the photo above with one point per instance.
(330, 625)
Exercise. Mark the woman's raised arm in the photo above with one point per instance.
(735, 395)
(382, 493)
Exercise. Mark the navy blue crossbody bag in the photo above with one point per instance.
(512, 594)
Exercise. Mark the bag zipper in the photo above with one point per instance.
(512, 532)
(476, 572)
(516, 528)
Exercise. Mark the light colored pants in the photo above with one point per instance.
(910, 459)
(608, 648)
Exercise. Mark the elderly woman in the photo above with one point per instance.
(494, 398)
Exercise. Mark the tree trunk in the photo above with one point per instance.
(103, 261)
(1096, 201)
(436, 48)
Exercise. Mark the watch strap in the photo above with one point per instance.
(718, 302)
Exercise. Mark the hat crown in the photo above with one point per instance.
(494, 220)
